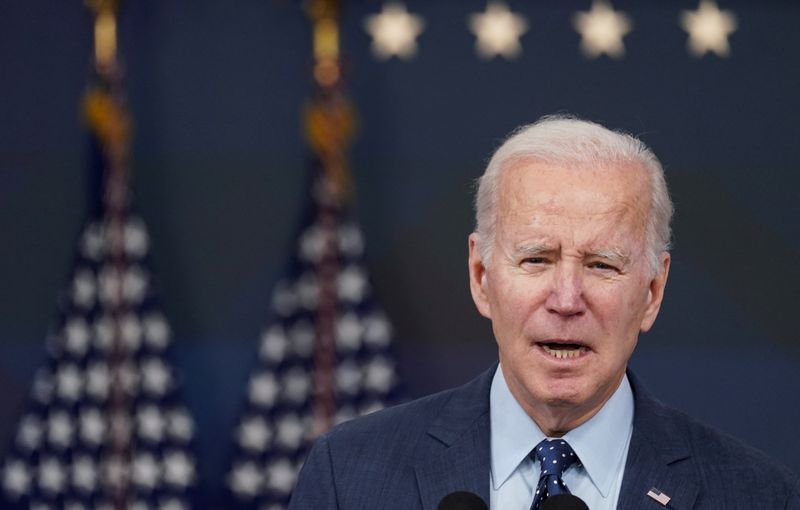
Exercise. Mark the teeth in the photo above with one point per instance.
(563, 353)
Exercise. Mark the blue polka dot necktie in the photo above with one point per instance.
(555, 456)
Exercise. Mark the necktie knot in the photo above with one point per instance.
(555, 456)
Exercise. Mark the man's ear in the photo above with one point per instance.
(477, 278)
(655, 293)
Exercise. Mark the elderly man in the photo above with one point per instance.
(569, 261)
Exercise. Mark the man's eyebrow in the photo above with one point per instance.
(534, 249)
(610, 254)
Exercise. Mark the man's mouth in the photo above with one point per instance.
(563, 350)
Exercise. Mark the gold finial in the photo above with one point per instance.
(105, 30)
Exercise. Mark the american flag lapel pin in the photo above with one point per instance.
(658, 496)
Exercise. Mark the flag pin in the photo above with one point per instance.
(658, 496)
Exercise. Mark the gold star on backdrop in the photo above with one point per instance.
(708, 29)
(498, 31)
(394, 31)
(602, 29)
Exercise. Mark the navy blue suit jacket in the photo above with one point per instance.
(411, 456)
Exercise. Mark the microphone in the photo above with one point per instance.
(462, 500)
(564, 502)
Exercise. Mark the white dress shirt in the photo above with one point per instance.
(601, 444)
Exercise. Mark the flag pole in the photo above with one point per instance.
(110, 123)
(330, 126)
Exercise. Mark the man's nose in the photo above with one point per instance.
(566, 296)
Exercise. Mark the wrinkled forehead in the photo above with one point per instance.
(531, 190)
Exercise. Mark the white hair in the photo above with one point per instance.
(566, 140)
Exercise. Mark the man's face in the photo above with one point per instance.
(568, 286)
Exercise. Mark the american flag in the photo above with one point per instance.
(324, 358)
(105, 428)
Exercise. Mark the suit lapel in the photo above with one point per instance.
(459, 446)
(659, 457)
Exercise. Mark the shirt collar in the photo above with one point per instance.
(600, 443)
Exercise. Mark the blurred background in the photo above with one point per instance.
(220, 165)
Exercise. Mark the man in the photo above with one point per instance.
(569, 261)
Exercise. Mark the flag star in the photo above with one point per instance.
(93, 241)
(60, 429)
(43, 386)
(303, 335)
(29, 434)
(172, 504)
(246, 479)
(130, 329)
(135, 238)
(352, 284)
(109, 281)
(69, 383)
(156, 331)
(308, 290)
(121, 427)
(104, 333)
(52, 475)
(92, 426)
(281, 476)
(348, 332)
(178, 469)
(127, 376)
(146, 471)
(290, 431)
(377, 331)
(379, 374)
(16, 478)
(296, 385)
(84, 473)
(264, 389)
(708, 29)
(394, 31)
(254, 434)
(274, 345)
(98, 380)
(498, 31)
(180, 425)
(135, 284)
(351, 242)
(348, 377)
(77, 336)
(602, 29)
(151, 423)
(284, 298)
(83, 288)
(156, 378)
(312, 244)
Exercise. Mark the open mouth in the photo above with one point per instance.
(565, 350)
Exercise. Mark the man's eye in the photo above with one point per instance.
(534, 260)
(602, 266)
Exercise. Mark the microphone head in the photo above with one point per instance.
(462, 500)
(564, 502)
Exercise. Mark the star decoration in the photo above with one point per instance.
(351, 242)
(708, 29)
(93, 242)
(92, 426)
(69, 383)
(303, 335)
(135, 240)
(394, 31)
(352, 284)
(60, 429)
(77, 336)
(274, 344)
(377, 331)
(281, 476)
(30, 432)
(115, 472)
(290, 431)
(348, 332)
(284, 298)
(156, 378)
(498, 31)
(83, 288)
(156, 331)
(296, 385)
(146, 471)
(52, 475)
(84, 473)
(254, 434)
(245, 479)
(312, 244)
(264, 389)
(602, 29)
(348, 377)
(130, 329)
(151, 423)
(180, 424)
(98, 380)
(178, 469)
(16, 478)
(379, 374)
